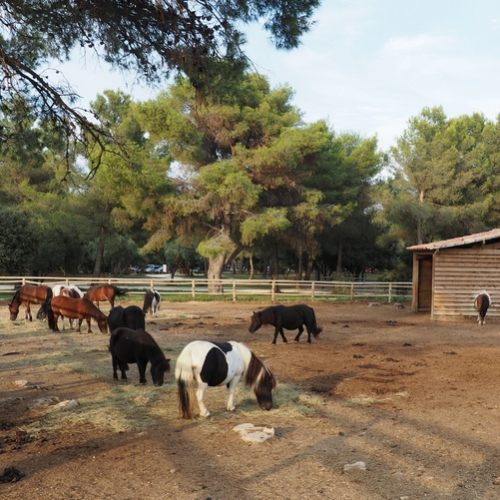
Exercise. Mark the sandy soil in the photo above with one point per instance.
(415, 400)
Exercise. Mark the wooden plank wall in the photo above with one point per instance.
(459, 274)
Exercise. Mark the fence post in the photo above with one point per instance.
(312, 291)
(352, 292)
(193, 289)
(272, 290)
(390, 292)
(234, 291)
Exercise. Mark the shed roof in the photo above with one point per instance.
(460, 241)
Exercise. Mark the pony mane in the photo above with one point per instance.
(16, 296)
(93, 309)
(257, 371)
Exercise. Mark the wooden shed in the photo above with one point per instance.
(448, 274)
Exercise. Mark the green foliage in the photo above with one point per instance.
(154, 40)
(444, 181)
(18, 242)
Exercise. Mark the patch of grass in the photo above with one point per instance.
(363, 400)
(119, 409)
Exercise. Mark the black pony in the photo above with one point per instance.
(130, 317)
(289, 318)
(137, 346)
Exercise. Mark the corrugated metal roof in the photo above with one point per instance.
(460, 241)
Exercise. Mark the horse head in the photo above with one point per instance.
(102, 323)
(14, 311)
(255, 322)
(158, 371)
(264, 389)
(14, 306)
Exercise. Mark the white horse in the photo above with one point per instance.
(212, 364)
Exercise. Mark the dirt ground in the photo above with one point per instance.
(415, 400)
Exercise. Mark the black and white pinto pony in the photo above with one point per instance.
(212, 364)
(130, 317)
(482, 303)
(152, 301)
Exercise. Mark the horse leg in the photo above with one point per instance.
(79, 329)
(301, 329)
(276, 331)
(231, 387)
(200, 391)
(123, 369)
(28, 312)
(89, 330)
(114, 361)
(142, 371)
(282, 333)
(56, 318)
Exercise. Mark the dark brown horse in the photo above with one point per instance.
(289, 318)
(30, 294)
(482, 302)
(77, 309)
(101, 293)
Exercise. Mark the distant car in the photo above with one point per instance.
(154, 269)
(136, 269)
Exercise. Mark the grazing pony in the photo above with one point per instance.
(77, 309)
(482, 302)
(152, 301)
(102, 293)
(30, 294)
(131, 317)
(137, 346)
(289, 318)
(212, 364)
(68, 291)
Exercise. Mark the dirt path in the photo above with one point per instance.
(416, 401)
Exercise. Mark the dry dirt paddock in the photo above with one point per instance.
(417, 401)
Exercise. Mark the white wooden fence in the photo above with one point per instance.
(237, 289)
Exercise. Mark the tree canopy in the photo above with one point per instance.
(201, 39)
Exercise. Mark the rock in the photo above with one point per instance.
(372, 304)
(21, 383)
(67, 405)
(355, 465)
(254, 434)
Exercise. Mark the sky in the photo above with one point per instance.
(367, 66)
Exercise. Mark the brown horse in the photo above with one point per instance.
(102, 293)
(30, 294)
(77, 309)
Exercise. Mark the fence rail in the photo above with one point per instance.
(237, 289)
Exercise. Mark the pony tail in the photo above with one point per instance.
(185, 386)
(184, 392)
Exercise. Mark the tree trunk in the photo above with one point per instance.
(214, 274)
(300, 265)
(339, 259)
(309, 269)
(100, 253)
(252, 268)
